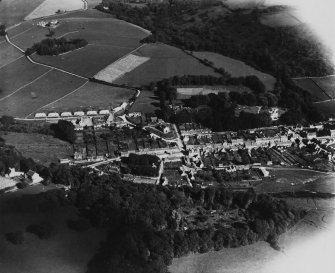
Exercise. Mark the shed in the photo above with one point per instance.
(53, 115)
(79, 113)
(66, 114)
(92, 113)
(40, 115)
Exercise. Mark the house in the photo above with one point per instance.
(135, 114)
(92, 113)
(66, 114)
(79, 113)
(332, 132)
(104, 112)
(40, 115)
(13, 173)
(64, 161)
(53, 115)
(7, 184)
(34, 177)
(166, 130)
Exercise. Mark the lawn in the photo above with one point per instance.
(17, 74)
(92, 95)
(147, 102)
(236, 68)
(42, 148)
(14, 11)
(309, 85)
(165, 62)
(46, 89)
(67, 251)
(109, 39)
(50, 7)
(327, 84)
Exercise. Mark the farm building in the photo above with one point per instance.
(135, 114)
(92, 113)
(7, 184)
(40, 115)
(34, 177)
(104, 112)
(13, 173)
(124, 105)
(53, 115)
(79, 113)
(66, 114)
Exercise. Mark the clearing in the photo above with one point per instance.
(92, 96)
(236, 68)
(165, 62)
(50, 7)
(43, 149)
(310, 85)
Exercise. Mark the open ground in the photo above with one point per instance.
(165, 62)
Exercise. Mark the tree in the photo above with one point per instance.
(254, 83)
(65, 131)
(3, 30)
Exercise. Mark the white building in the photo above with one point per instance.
(66, 114)
(104, 112)
(13, 173)
(34, 177)
(53, 115)
(40, 115)
(92, 113)
(79, 113)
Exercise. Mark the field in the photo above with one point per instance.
(8, 54)
(42, 148)
(185, 93)
(47, 88)
(165, 62)
(50, 7)
(120, 67)
(67, 251)
(92, 95)
(314, 89)
(327, 84)
(236, 68)
(109, 39)
(284, 18)
(327, 107)
(14, 11)
(147, 102)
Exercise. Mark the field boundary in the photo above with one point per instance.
(11, 62)
(27, 84)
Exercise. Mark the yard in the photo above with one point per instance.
(165, 62)
(92, 95)
(42, 148)
(236, 68)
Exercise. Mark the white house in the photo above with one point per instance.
(79, 113)
(104, 112)
(40, 115)
(92, 113)
(66, 114)
(135, 114)
(14, 173)
(53, 115)
(34, 177)
(7, 184)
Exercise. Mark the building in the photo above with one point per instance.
(13, 173)
(92, 113)
(53, 115)
(104, 112)
(34, 177)
(79, 113)
(7, 184)
(66, 114)
(135, 114)
(40, 115)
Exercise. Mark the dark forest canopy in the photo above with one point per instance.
(237, 34)
(55, 46)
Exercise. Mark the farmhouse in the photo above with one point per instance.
(13, 173)
(7, 184)
(79, 113)
(92, 113)
(104, 112)
(34, 177)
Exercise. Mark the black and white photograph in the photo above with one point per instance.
(167, 136)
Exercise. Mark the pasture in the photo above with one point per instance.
(236, 68)
(8, 54)
(285, 18)
(50, 7)
(165, 62)
(313, 88)
(108, 40)
(327, 108)
(14, 11)
(50, 86)
(92, 96)
(43, 149)
(327, 84)
(147, 102)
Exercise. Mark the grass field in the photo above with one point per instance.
(14, 11)
(67, 251)
(309, 85)
(53, 85)
(8, 54)
(165, 61)
(50, 7)
(92, 95)
(109, 39)
(42, 148)
(327, 107)
(284, 18)
(327, 84)
(17, 74)
(236, 68)
(147, 102)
